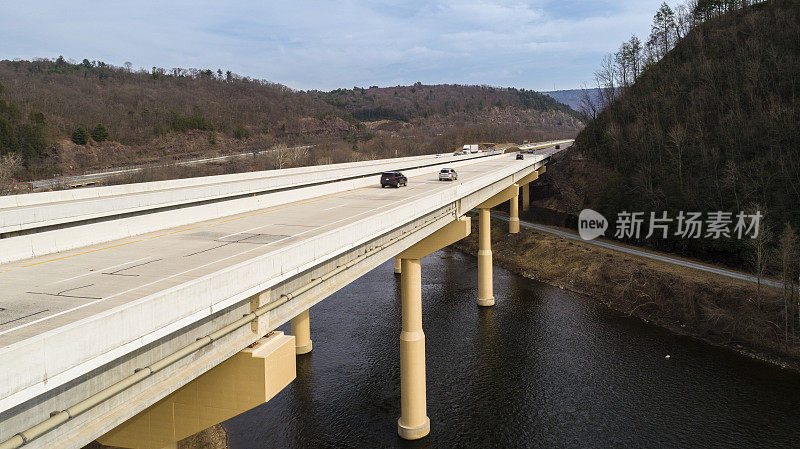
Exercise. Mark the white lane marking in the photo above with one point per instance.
(241, 232)
(334, 207)
(401, 200)
(100, 270)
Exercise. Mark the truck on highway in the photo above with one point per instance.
(470, 149)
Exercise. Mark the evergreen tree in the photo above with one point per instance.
(662, 34)
(26, 139)
(241, 132)
(80, 136)
(99, 133)
(635, 56)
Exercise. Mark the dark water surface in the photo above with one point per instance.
(543, 368)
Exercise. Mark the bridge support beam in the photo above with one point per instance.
(513, 215)
(414, 422)
(246, 380)
(397, 266)
(526, 197)
(301, 329)
(485, 281)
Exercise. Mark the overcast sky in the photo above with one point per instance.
(326, 44)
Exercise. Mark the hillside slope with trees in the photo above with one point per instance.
(709, 125)
(59, 117)
(405, 103)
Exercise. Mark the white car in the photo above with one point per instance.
(447, 174)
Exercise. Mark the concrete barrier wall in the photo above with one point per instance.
(43, 198)
(212, 186)
(124, 189)
(50, 213)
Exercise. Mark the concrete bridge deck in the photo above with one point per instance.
(74, 321)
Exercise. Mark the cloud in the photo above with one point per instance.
(338, 43)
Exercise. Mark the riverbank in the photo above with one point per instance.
(724, 312)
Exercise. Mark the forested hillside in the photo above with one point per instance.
(62, 117)
(713, 125)
(405, 103)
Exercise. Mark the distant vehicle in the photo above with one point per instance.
(393, 179)
(447, 174)
(558, 147)
(470, 149)
(457, 153)
(520, 156)
(524, 142)
(438, 155)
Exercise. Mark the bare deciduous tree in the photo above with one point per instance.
(677, 142)
(787, 250)
(9, 166)
(759, 245)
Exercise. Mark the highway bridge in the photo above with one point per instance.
(140, 314)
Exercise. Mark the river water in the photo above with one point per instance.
(542, 368)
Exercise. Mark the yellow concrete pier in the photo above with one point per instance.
(301, 329)
(414, 422)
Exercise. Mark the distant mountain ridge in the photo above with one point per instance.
(573, 97)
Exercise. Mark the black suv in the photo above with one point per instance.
(393, 178)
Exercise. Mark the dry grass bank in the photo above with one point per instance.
(719, 310)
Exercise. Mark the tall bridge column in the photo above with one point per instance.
(525, 183)
(414, 422)
(513, 215)
(526, 197)
(485, 281)
(301, 329)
